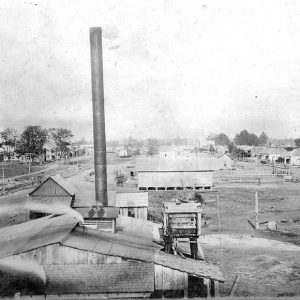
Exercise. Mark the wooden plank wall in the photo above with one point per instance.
(57, 254)
(50, 188)
(175, 179)
(169, 279)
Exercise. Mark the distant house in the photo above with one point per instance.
(133, 204)
(276, 154)
(123, 153)
(170, 174)
(49, 152)
(295, 157)
(225, 161)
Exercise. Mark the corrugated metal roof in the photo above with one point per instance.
(123, 244)
(137, 199)
(61, 182)
(176, 165)
(33, 234)
(190, 266)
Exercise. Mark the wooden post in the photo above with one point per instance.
(194, 248)
(186, 286)
(256, 211)
(207, 283)
(234, 285)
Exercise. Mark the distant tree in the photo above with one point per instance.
(32, 140)
(263, 139)
(62, 138)
(222, 139)
(297, 142)
(246, 138)
(153, 146)
(233, 150)
(9, 136)
(133, 144)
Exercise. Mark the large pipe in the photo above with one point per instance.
(98, 117)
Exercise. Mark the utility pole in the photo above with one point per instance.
(256, 211)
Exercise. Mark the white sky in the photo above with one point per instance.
(171, 67)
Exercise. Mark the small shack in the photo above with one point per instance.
(175, 174)
(133, 204)
(53, 191)
(225, 161)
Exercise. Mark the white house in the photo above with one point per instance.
(275, 153)
(225, 161)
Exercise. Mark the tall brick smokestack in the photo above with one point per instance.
(98, 117)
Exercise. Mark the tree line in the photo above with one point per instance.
(33, 139)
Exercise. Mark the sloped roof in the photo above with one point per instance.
(223, 154)
(277, 151)
(176, 165)
(61, 182)
(33, 234)
(121, 244)
(295, 152)
(191, 266)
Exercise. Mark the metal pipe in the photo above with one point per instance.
(98, 117)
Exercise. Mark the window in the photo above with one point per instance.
(131, 212)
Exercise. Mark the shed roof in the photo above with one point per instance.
(33, 234)
(61, 182)
(176, 165)
(190, 266)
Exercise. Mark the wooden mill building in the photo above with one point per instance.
(175, 174)
(63, 259)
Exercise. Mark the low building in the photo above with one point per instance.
(133, 204)
(54, 191)
(278, 154)
(170, 174)
(225, 161)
